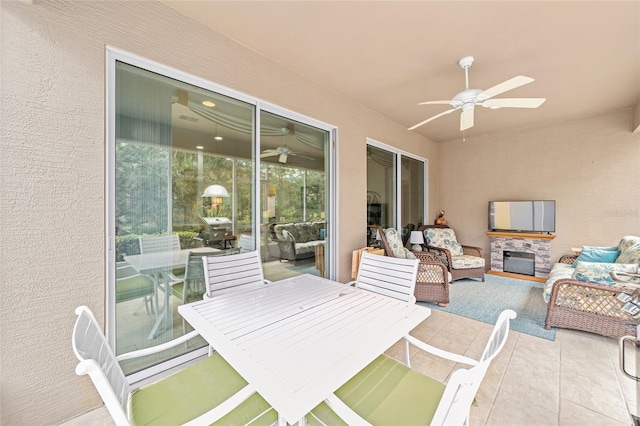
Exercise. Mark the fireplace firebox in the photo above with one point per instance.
(518, 262)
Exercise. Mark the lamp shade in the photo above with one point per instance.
(215, 191)
(416, 237)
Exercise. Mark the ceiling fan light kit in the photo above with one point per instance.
(469, 98)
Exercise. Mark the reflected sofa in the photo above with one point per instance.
(298, 240)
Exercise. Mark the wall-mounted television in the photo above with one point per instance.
(523, 216)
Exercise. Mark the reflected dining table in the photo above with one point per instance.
(158, 265)
(296, 341)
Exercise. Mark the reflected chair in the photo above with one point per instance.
(208, 391)
(246, 243)
(159, 243)
(461, 261)
(432, 282)
(406, 233)
(387, 392)
(232, 272)
(389, 276)
(190, 287)
(131, 285)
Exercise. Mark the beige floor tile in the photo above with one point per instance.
(572, 414)
(518, 410)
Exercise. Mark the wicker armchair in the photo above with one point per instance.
(586, 306)
(432, 282)
(470, 264)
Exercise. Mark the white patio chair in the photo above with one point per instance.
(246, 243)
(131, 285)
(190, 286)
(226, 272)
(159, 243)
(205, 392)
(391, 393)
(389, 276)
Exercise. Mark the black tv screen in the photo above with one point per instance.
(523, 216)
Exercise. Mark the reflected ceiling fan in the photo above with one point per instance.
(283, 152)
(469, 98)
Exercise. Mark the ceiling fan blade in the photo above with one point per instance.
(513, 103)
(283, 158)
(466, 119)
(435, 103)
(432, 118)
(269, 153)
(505, 86)
(302, 156)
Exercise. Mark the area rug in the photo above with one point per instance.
(483, 301)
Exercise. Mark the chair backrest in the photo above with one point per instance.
(98, 361)
(461, 389)
(246, 243)
(389, 276)
(443, 238)
(194, 287)
(159, 243)
(393, 245)
(234, 270)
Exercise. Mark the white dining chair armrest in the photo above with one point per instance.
(267, 281)
(351, 283)
(439, 352)
(158, 348)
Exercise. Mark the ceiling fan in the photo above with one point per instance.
(469, 98)
(283, 152)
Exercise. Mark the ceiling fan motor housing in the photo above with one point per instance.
(465, 98)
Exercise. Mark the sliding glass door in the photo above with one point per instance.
(395, 190)
(196, 170)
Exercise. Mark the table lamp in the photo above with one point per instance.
(416, 239)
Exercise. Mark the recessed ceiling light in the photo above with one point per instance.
(208, 104)
(218, 138)
(199, 147)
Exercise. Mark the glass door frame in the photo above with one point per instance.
(399, 153)
(114, 55)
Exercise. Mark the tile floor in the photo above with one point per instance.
(573, 380)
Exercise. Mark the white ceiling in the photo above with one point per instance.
(390, 55)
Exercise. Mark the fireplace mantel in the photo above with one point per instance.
(538, 244)
(526, 235)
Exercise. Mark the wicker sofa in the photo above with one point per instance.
(298, 240)
(577, 303)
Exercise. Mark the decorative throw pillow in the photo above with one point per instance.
(395, 244)
(626, 243)
(597, 254)
(599, 272)
(630, 255)
(443, 238)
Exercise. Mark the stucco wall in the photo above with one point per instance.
(589, 166)
(53, 165)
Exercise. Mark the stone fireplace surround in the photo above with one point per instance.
(538, 244)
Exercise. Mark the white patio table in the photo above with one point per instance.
(298, 340)
(154, 265)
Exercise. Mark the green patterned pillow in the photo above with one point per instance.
(626, 243)
(596, 272)
(395, 244)
(443, 238)
(631, 254)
